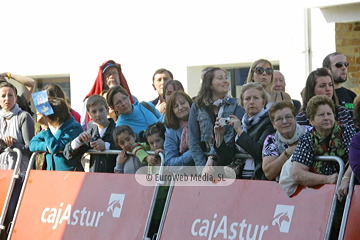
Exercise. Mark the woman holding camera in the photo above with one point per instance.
(212, 102)
(251, 132)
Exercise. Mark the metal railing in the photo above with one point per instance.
(152, 206)
(15, 175)
(347, 207)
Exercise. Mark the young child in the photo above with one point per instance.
(98, 137)
(125, 138)
(152, 139)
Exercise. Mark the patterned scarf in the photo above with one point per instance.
(184, 142)
(220, 103)
(323, 148)
(247, 122)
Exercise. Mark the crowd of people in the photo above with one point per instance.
(207, 130)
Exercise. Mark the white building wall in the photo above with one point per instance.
(75, 37)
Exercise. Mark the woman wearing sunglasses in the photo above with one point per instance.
(320, 82)
(261, 71)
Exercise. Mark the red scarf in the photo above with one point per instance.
(99, 83)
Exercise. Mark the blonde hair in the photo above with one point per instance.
(257, 86)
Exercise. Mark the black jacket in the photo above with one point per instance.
(98, 162)
(252, 142)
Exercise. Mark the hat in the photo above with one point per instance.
(109, 64)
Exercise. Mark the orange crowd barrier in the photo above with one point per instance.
(78, 205)
(247, 209)
(5, 179)
(352, 230)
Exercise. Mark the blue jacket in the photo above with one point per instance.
(52, 144)
(171, 146)
(201, 130)
(140, 118)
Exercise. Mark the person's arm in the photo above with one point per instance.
(139, 150)
(194, 138)
(224, 153)
(70, 153)
(301, 175)
(37, 143)
(172, 155)
(254, 146)
(344, 185)
(29, 83)
(354, 155)
(273, 161)
(55, 145)
(27, 131)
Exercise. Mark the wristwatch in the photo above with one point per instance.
(286, 154)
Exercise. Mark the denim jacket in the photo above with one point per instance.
(201, 130)
(172, 155)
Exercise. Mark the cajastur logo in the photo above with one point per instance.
(83, 216)
(282, 217)
(116, 202)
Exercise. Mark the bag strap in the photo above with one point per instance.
(148, 107)
(211, 114)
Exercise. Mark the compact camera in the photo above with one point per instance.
(224, 121)
(94, 138)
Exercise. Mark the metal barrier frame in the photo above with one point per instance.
(338, 182)
(347, 207)
(153, 200)
(15, 175)
(318, 158)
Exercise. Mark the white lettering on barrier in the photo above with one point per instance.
(282, 218)
(82, 217)
(55, 216)
(222, 229)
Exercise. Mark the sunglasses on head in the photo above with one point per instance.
(340, 64)
(261, 70)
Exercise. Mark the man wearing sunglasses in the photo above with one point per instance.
(338, 66)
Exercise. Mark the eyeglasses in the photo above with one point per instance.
(340, 64)
(288, 118)
(261, 70)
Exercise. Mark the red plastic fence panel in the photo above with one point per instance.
(77, 205)
(247, 209)
(352, 230)
(5, 179)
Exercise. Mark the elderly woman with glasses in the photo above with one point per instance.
(251, 131)
(327, 138)
(279, 146)
(136, 115)
(320, 82)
